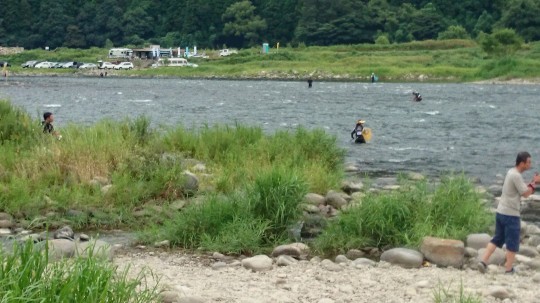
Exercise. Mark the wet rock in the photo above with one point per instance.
(351, 168)
(478, 241)
(58, 248)
(163, 244)
(335, 200)
(309, 208)
(354, 254)
(64, 233)
(314, 199)
(6, 224)
(351, 187)
(403, 257)
(258, 263)
(443, 252)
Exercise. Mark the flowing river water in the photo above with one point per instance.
(473, 128)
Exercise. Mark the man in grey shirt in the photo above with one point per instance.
(507, 220)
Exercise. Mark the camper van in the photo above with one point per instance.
(120, 53)
(173, 62)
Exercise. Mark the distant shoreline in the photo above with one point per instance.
(335, 78)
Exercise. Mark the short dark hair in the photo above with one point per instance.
(47, 115)
(522, 157)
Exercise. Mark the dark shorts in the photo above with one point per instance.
(507, 230)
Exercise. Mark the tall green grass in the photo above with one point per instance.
(145, 166)
(27, 276)
(452, 209)
(248, 221)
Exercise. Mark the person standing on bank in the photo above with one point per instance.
(309, 82)
(507, 219)
(48, 128)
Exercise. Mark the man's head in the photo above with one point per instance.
(523, 161)
(48, 117)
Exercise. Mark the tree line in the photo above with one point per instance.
(244, 23)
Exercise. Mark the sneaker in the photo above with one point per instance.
(482, 267)
(510, 272)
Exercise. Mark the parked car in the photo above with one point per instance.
(45, 64)
(30, 63)
(105, 65)
(88, 66)
(59, 64)
(227, 52)
(68, 64)
(124, 65)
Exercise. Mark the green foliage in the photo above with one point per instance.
(27, 276)
(382, 40)
(241, 22)
(16, 126)
(451, 210)
(502, 42)
(454, 32)
(247, 221)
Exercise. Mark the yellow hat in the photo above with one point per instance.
(361, 121)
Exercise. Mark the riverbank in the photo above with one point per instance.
(426, 61)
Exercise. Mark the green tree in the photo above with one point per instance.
(454, 32)
(74, 37)
(483, 24)
(501, 42)
(427, 23)
(523, 16)
(242, 23)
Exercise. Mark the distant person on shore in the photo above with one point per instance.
(309, 82)
(416, 96)
(507, 218)
(373, 77)
(356, 134)
(4, 70)
(48, 128)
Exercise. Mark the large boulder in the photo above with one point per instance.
(294, 250)
(191, 183)
(403, 257)
(443, 252)
(351, 187)
(64, 233)
(58, 248)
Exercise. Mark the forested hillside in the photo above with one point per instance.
(215, 23)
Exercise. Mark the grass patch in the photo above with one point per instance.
(27, 276)
(246, 222)
(451, 209)
(145, 166)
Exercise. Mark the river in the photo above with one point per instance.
(473, 128)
